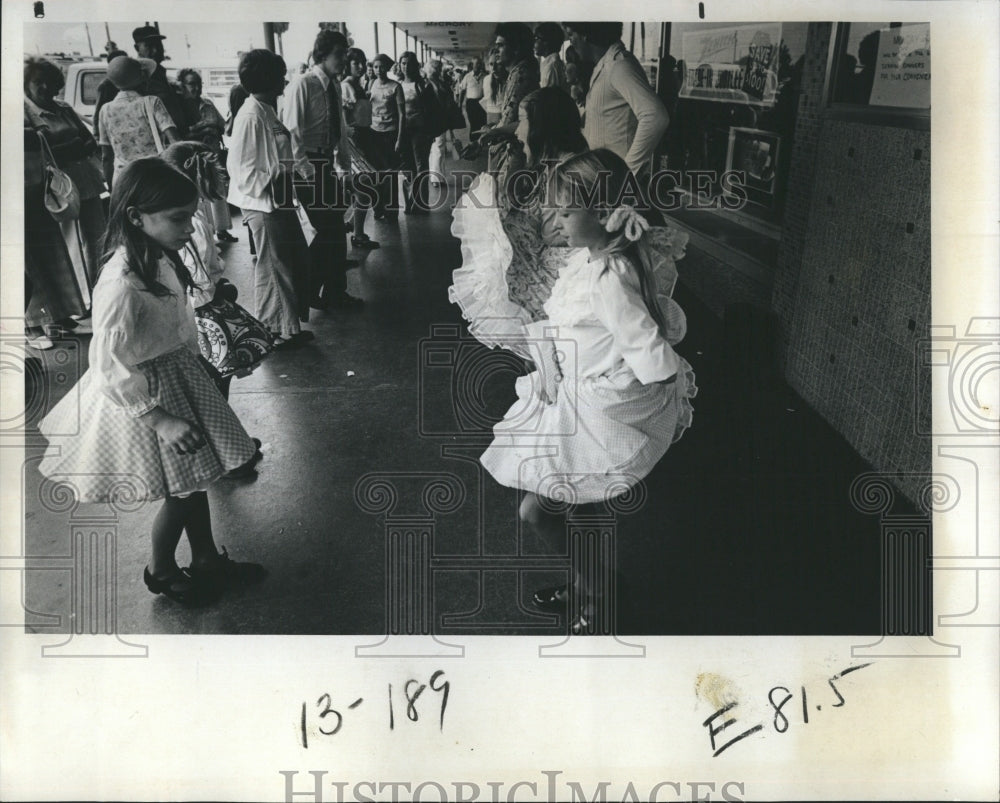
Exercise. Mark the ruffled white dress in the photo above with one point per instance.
(144, 354)
(613, 417)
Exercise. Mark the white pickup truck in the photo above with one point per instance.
(83, 78)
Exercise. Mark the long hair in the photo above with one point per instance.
(599, 180)
(149, 185)
(200, 164)
(554, 126)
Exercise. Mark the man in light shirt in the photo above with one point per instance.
(549, 39)
(471, 95)
(314, 116)
(623, 113)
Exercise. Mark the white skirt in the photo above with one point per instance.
(599, 438)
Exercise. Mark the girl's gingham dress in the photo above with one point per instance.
(144, 353)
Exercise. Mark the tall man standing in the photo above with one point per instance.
(623, 112)
(314, 116)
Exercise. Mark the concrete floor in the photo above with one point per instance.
(747, 527)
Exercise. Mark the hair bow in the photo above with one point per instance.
(635, 225)
(202, 158)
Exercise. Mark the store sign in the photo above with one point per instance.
(903, 69)
(733, 65)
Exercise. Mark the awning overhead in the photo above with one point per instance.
(460, 41)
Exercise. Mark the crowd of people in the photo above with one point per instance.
(562, 248)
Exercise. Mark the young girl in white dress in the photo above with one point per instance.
(149, 421)
(609, 394)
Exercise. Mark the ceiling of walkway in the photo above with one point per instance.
(458, 40)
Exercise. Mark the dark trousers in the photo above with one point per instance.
(416, 163)
(477, 118)
(328, 251)
(384, 143)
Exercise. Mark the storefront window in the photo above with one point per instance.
(732, 93)
(881, 73)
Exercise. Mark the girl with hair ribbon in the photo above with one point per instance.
(609, 394)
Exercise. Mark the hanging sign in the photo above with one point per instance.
(903, 69)
(734, 65)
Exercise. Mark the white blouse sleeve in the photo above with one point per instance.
(619, 306)
(113, 359)
(253, 158)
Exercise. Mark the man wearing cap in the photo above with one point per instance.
(314, 116)
(125, 124)
(148, 43)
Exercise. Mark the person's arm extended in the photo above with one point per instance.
(400, 115)
(650, 113)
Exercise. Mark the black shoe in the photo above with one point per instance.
(226, 573)
(226, 237)
(551, 598)
(182, 587)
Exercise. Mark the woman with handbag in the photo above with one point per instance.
(63, 214)
(206, 125)
(260, 184)
(133, 125)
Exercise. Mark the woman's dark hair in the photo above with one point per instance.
(185, 73)
(237, 97)
(554, 126)
(602, 34)
(325, 43)
(149, 185)
(200, 164)
(36, 69)
(356, 54)
(260, 69)
(518, 37)
(404, 58)
(552, 34)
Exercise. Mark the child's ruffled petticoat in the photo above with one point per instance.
(479, 287)
(105, 454)
(600, 437)
(603, 434)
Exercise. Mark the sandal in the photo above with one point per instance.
(584, 624)
(182, 587)
(227, 572)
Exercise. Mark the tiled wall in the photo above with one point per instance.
(852, 289)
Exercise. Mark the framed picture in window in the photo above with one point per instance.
(754, 153)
